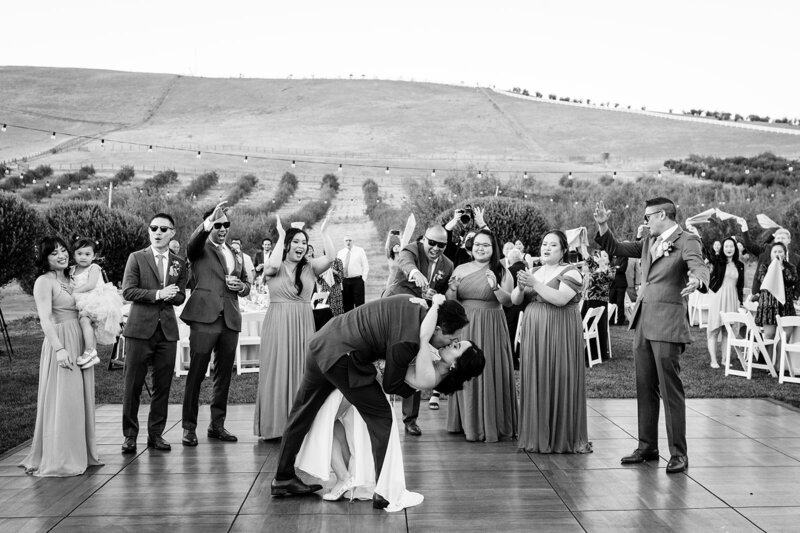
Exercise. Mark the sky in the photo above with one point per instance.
(733, 55)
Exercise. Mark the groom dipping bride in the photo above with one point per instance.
(342, 354)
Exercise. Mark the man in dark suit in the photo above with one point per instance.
(672, 269)
(213, 315)
(261, 256)
(154, 281)
(422, 271)
(340, 356)
(618, 288)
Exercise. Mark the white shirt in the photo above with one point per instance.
(228, 255)
(358, 262)
(163, 268)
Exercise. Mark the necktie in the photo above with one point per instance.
(655, 251)
(347, 264)
(160, 268)
(431, 271)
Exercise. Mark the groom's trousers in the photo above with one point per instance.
(658, 377)
(315, 388)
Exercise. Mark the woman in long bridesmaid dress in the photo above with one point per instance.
(287, 326)
(552, 417)
(64, 437)
(486, 410)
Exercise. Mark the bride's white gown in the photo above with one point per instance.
(315, 456)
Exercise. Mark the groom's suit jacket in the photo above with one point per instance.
(139, 285)
(660, 310)
(367, 333)
(211, 296)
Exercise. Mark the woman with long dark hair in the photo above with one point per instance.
(64, 437)
(725, 292)
(552, 414)
(486, 410)
(290, 276)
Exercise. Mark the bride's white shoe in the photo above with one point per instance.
(338, 491)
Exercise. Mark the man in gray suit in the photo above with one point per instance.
(672, 269)
(422, 271)
(154, 281)
(212, 312)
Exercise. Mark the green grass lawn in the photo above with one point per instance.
(613, 379)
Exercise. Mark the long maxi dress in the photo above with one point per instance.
(725, 300)
(552, 416)
(287, 327)
(487, 407)
(64, 441)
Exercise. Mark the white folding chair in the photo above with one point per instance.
(699, 314)
(183, 352)
(748, 345)
(590, 334)
(249, 336)
(612, 318)
(790, 352)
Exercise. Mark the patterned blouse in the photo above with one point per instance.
(598, 282)
(335, 300)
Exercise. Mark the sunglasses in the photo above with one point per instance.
(438, 244)
(648, 216)
(163, 229)
(218, 225)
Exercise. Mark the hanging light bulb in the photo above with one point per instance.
(5, 126)
(791, 169)
(703, 174)
(747, 171)
(340, 167)
(387, 170)
(102, 143)
(433, 173)
(150, 149)
(245, 159)
(293, 163)
(659, 173)
(570, 175)
(79, 188)
(69, 188)
(480, 175)
(47, 184)
(525, 176)
(198, 154)
(53, 136)
(615, 173)
(33, 181)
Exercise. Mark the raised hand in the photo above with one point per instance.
(419, 279)
(279, 227)
(477, 213)
(601, 214)
(219, 211)
(438, 299)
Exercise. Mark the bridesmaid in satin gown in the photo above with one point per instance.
(64, 437)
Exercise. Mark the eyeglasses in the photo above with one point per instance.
(438, 244)
(163, 229)
(648, 216)
(481, 245)
(218, 225)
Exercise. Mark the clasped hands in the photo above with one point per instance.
(168, 292)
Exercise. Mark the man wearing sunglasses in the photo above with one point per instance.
(423, 270)
(212, 312)
(154, 281)
(672, 269)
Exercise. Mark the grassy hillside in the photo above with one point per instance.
(383, 121)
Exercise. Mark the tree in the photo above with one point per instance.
(23, 228)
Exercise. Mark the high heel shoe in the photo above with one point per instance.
(338, 491)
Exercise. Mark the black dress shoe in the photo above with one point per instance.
(292, 487)
(158, 443)
(640, 456)
(129, 446)
(677, 463)
(221, 434)
(413, 429)
(189, 438)
(379, 502)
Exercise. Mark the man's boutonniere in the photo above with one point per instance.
(174, 268)
(666, 247)
(437, 276)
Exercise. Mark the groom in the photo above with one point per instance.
(672, 269)
(341, 356)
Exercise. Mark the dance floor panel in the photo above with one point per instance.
(744, 458)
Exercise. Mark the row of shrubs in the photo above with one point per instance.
(200, 184)
(243, 186)
(764, 169)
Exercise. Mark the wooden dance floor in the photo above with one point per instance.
(744, 475)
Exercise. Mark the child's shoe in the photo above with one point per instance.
(88, 359)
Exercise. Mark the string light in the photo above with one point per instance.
(198, 154)
(791, 169)
(615, 173)
(102, 144)
(480, 175)
(293, 163)
(150, 149)
(525, 176)
(340, 167)
(433, 173)
(659, 173)
(5, 126)
(747, 171)
(53, 136)
(245, 159)
(570, 175)
(703, 174)
(387, 170)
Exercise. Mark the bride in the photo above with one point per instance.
(338, 438)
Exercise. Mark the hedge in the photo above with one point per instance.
(200, 184)
(23, 228)
(242, 188)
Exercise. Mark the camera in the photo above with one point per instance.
(466, 214)
(394, 232)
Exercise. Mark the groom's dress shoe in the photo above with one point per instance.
(640, 456)
(189, 437)
(677, 463)
(158, 443)
(129, 446)
(379, 502)
(292, 487)
(413, 429)
(221, 434)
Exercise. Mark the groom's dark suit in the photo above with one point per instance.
(661, 323)
(213, 315)
(151, 334)
(340, 356)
